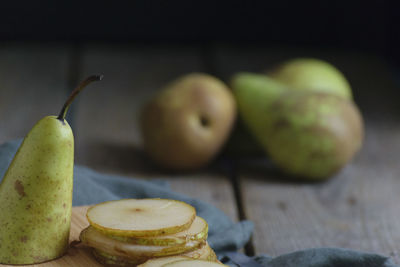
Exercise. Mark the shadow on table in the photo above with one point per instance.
(124, 158)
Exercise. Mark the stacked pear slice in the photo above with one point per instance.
(177, 261)
(130, 232)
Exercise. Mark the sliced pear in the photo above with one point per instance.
(158, 262)
(198, 231)
(95, 239)
(141, 217)
(193, 263)
(205, 252)
(213, 256)
(111, 260)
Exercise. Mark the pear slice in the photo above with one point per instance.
(111, 260)
(205, 252)
(141, 217)
(95, 239)
(193, 263)
(157, 262)
(213, 256)
(198, 231)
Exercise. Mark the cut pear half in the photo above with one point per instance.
(141, 217)
(198, 231)
(95, 239)
(158, 262)
(193, 263)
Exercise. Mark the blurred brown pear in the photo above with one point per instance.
(184, 125)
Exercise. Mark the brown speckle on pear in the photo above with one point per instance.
(19, 187)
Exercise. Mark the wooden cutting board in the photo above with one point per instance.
(77, 255)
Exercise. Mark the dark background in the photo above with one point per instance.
(353, 25)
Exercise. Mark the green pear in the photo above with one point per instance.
(185, 124)
(313, 134)
(301, 74)
(254, 94)
(307, 133)
(312, 74)
(36, 192)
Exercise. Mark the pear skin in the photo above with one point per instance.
(36, 191)
(185, 124)
(310, 74)
(241, 142)
(307, 133)
(313, 135)
(254, 95)
(36, 195)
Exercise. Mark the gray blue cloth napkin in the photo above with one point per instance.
(315, 257)
(225, 236)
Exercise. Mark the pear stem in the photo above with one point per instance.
(75, 92)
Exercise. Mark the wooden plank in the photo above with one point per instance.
(356, 209)
(107, 136)
(33, 82)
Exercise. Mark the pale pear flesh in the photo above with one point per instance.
(36, 195)
(135, 217)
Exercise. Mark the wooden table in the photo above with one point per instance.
(357, 209)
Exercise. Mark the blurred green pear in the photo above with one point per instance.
(313, 135)
(312, 74)
(254, 94)
(306, 133)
